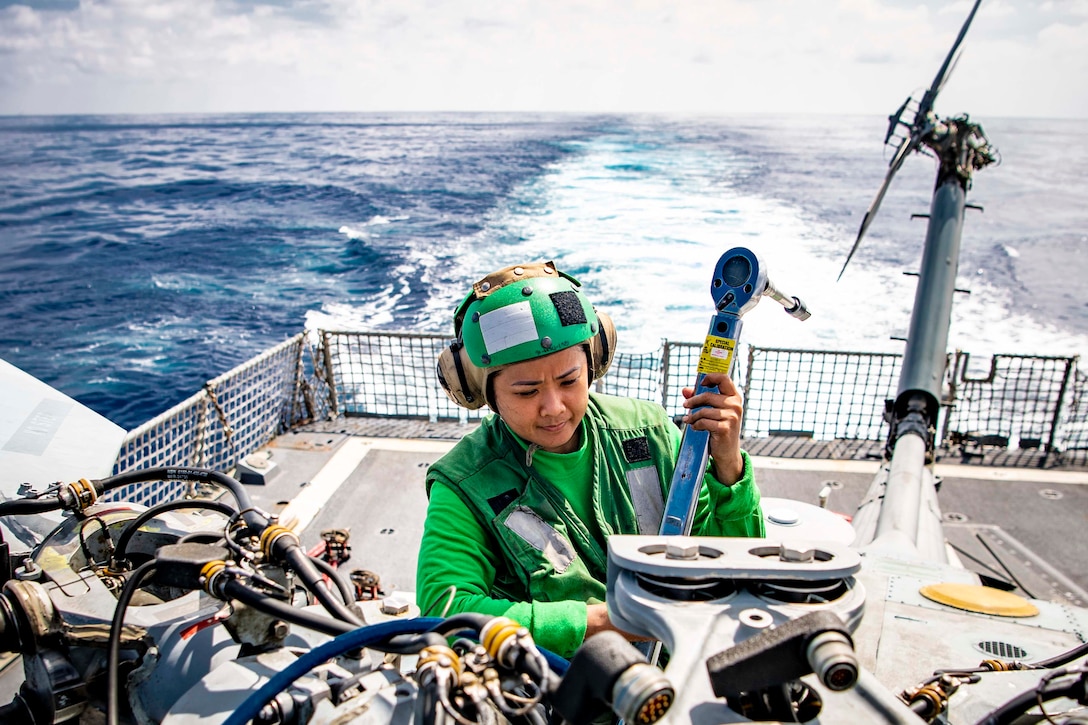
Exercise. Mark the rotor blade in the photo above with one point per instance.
(893, 120)
(949, 73)
(908, 145)
(942, 75)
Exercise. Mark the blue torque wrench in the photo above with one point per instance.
(740, 281)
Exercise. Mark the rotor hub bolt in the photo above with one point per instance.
(681, 547)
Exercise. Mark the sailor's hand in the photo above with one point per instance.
(720, 414)
(597, 620)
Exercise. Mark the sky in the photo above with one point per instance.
(1022, 58)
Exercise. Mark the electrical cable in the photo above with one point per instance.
(270, 605)
(311, 578)
(83, 540)
(347, 592)
(114, 649)
(133, 526)
(465, 620)
(195, 475)
(235, 525)
(1012, 710)
(452, 592)
(370, 636)
(475, 622)
(1004, 566)
(994, 573)
(1063, 658)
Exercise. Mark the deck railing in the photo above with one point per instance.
(1013, 401)
(232, 416)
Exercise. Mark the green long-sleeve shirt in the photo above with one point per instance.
(474, 557)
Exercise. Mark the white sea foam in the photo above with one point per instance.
(378, 219)
(643, 225)
(353, 233)
(645, 242)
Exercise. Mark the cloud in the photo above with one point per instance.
(720, 56)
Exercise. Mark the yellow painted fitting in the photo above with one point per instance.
(440, 656)
(1003, 666)
(271, 534)
(208, 573)
(83, 494)
(496, 634)
(933, 697)
(979, 599)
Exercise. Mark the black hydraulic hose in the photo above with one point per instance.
(347, 592)
(1063, 658)
(16, 711)
(410, 644)
(465, 620)
(1012, 710)
(133, 526)
(194, 475)
(114, 650)
(201, 537)
(20, 506)
(270, 605)
(303, 565)
(398, 644)
(145, 475)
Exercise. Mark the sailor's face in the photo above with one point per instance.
(543, 400)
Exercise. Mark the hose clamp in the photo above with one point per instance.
(79, 496)
(272, 534)
(504, 638)
(211, 577)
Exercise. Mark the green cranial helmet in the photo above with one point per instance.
(523, 312)
(517, 314)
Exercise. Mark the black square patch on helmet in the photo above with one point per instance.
(636, 450)
(569, 308)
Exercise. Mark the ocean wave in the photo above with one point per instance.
(172, 248)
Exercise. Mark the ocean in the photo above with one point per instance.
(144, 255)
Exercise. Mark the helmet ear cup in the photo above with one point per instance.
(463, 382)
(602, 346)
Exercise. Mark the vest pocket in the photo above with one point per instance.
(542, 536)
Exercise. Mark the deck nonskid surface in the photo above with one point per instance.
(374, 487)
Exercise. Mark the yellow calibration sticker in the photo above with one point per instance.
(717, 355)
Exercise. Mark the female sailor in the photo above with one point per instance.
(521, 508)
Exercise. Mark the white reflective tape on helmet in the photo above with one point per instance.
(507, 327)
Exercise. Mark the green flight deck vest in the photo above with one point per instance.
(548, 554)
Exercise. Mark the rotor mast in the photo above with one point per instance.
(961, 148)
(908, 521)
(901, 515)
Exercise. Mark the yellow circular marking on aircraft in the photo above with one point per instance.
(980, 599)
